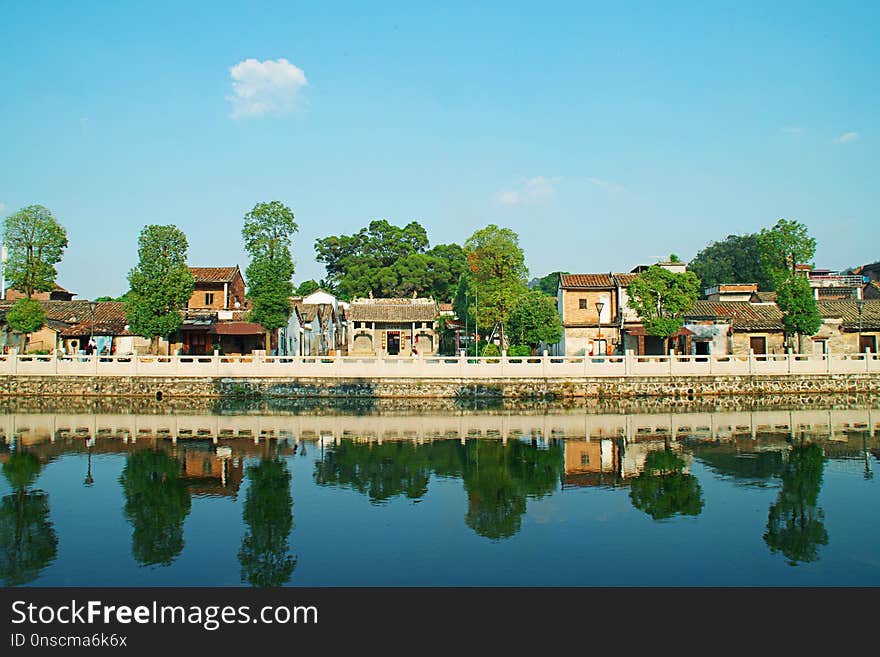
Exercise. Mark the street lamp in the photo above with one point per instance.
(89, 478)
(599, 306)
(861, 304)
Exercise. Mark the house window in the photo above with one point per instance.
(209, 298)
(582, 304)
(585, 459)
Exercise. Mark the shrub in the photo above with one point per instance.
(519, 350)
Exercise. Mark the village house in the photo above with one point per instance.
(848, 326)
(391, 327)
(317, 327)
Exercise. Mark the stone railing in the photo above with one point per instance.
(439, 367)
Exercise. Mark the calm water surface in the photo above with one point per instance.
(436, 498)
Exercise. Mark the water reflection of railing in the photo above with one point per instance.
(833, 424)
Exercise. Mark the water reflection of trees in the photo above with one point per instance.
(795, 524)
(663, 489)
(157, 502)
(28, 542)
(268, 513)
(498, 477)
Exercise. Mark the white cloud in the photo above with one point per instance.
(793, 130)
(532, 190)
(846, 137)
(612, 187)
(269, 87)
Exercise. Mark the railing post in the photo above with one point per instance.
(216, 361)
(95, 362)
(503, 360)
(827, 357)
(13, 359)
(751, 361)
(788, 358)
(867, 353)
(545, 361)
(55, 360)
(628, 362)
(671, 356)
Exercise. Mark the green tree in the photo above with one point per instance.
(663, 489)
(268, 513)
(157, 502)
(390, 261)
(735, 259)
(267, 232)
(497, 275)
(783, 247)
(28, 542)
(795, 524)
(534, 319)
(307, 287)
(25, 317)
(35, 242)
(161, 284)
(661, 297)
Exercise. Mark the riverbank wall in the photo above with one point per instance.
(624, 387)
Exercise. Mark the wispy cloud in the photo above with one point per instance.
(613, 187)
(846, 137)
(269, 87)
(793, 130)
(529, 191)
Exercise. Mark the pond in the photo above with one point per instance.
(441, 496)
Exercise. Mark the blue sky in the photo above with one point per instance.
(605, 136)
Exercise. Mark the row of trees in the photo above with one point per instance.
(486, 278)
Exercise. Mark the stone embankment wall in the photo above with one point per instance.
(398, 388)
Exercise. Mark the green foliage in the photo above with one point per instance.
(548, 284)
(519, 350)
(268, 513)
(28, 542)
(735, 259)
(795, 525)
(307, 287)
(497, 274)
(800, 315)
(35, 242)
(267, 233)
(26, 316)
(534, 319)
(490, 349)
(660, 297)
(674, 258)
(157, 502)
(161, 283)
(785, 245)
(22, 469)
(663, 489)
(104, 298)
(390, 261)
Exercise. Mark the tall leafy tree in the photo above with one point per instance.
(663, 489)
(268, 513)
(35, 242)
(157, 502)
(795, 523)
(783, 247)
(497, 275)
(267, 233)
(735, 259)
(548, 284)
(390, 261)
(161, 284)
(534, 319)
(661, 297)
(307, 287)
(28, 542)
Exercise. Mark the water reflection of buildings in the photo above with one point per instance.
(611, 462)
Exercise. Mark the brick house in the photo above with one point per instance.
(391, 327)
(217, 288)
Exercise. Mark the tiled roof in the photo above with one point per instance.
(109, 320)
(213, 274)
(393, 310)
(745, 315)
(848, 311)
(625, 279)
(765, 297)
(586, 281)
(70, 312)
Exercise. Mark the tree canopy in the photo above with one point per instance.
(267, 233)
(26, 316)
(534, 319)
(496, 277)
(548, 284)
(663, 489)
(390, 261)
(307, 287)
(35, 242)
(161, 283)
(735, 259)
(660, 297)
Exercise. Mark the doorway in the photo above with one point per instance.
(393, 343)
(867, 342)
